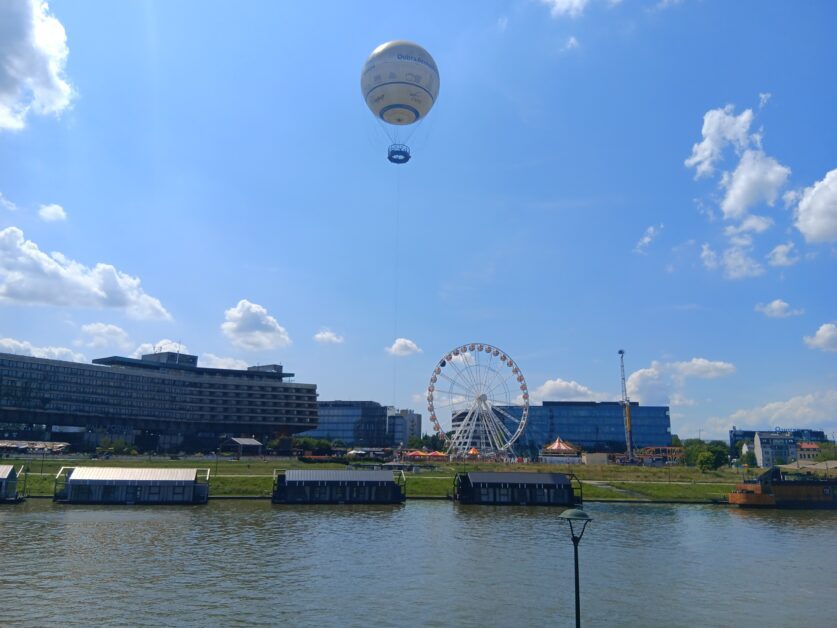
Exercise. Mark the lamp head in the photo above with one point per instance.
(579, 517)
(575, 514)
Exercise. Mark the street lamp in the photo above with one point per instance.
(580, 518)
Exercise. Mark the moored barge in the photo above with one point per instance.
(780, 489)
(516, 488)
(338, 487)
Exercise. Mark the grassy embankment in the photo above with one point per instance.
(255, 477)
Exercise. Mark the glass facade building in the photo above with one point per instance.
(593, 426)
(162, 400)
(365, 424)
(403, 425)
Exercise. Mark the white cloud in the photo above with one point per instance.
(502, 23)
(764, 97)
(21, 347)
(816, 214)
(52, 213)
(751, 224)
(661, 383)
(825, 339)
(701, 368)
(33, 53)
(7, 204)
(757, 178)
(782, 255)
(708, 256)
(791, 197)
(249, 326)
(720, 128)
(99, 335)
(326, 336)
(571, 44)
(650, 386)
(28, 275)
(814, 410)
(160, 346)
(212, 361)
(403, 347)
(777, 309)
(462, 358)
(569, 8)
(562, 390)
(648, 237)
(681, 401)
(738, 264)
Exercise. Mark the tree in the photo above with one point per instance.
(318, 446)
(828, 451)
(720, 453)
(704, 461)
(692, 448)
(749, 459)
(675, 441)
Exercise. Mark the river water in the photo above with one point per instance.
(425, 563)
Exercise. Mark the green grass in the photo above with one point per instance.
(232, 477)
(594, 491)
(418, 486)
(220, 486)
(697, 491)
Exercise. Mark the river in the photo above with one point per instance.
(428, 563)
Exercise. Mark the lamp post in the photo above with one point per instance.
(581, 518)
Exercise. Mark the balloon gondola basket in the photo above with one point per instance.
(398, 153)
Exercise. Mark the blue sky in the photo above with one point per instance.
(657, 177)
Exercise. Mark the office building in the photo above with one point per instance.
(164, 401)
(797, 433)
(402, 425)
(592, 426)
(365, 424)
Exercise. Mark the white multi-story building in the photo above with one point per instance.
(772, 448)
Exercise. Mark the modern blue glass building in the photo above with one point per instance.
(593, 426)
(365, 424)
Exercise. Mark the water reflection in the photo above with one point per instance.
(423, 563)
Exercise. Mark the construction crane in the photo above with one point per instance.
(626, 410)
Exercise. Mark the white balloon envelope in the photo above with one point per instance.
(400, 82)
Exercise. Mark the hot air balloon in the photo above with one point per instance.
(400, 83)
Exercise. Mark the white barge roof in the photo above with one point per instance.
(127, 474)
(5, 471)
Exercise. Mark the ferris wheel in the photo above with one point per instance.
(481, 390)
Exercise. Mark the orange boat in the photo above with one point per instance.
(777, 489)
